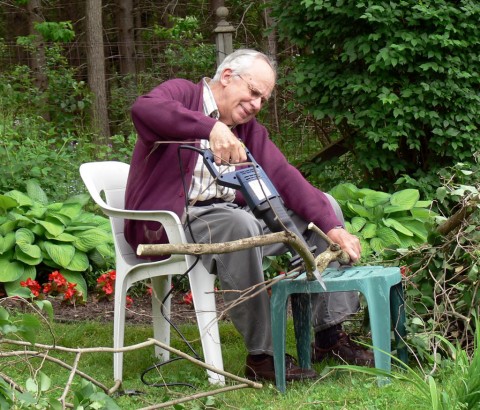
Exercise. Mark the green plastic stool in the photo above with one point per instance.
(382, 288)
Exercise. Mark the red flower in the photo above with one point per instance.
(129, 301)
(70, 292)
(57, 278)
(33, 285)
(188, 298)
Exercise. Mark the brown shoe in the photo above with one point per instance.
(265, 370)
(345, 350)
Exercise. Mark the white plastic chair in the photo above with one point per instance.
(110, 177)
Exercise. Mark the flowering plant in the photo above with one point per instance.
(106, 285)
(56, 285)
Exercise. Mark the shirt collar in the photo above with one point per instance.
(209, 105)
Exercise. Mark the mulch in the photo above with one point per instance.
(102, 310)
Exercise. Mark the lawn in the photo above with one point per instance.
(335, 389)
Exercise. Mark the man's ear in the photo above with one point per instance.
(226, 76)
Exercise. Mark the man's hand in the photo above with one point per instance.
(348, 242)
(226, 147)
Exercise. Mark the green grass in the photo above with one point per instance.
(334, 390)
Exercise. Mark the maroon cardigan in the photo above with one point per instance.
(173, 111)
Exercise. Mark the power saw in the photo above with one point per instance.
(262, 198)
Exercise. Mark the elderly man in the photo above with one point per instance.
(219, 114)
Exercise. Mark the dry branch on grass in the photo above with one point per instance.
(243, 383)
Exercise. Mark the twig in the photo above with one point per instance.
(56, 361)
(196, 396)
(70, 378)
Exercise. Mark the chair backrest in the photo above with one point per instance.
(110, 178)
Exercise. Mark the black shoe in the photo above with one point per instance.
(344, 350)
(264, 369)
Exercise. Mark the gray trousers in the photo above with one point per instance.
(241, 270)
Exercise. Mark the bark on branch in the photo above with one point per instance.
(458, 217)
(319, 263)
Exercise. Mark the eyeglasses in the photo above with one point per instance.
(255, 93)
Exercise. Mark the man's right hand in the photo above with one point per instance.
(226, 147)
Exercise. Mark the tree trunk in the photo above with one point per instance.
(38, 61)
(272, 52)
(126, 36)
(96, 68)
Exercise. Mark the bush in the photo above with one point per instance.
(400, 80)
(37, 237)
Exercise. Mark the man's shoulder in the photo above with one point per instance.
(181, 83)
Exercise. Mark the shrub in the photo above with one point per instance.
(381, 220)
(400, 80)
(36, 236)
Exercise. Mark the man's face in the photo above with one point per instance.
(243, 95)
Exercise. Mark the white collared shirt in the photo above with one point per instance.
(203, 185)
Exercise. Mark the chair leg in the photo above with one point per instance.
(202, 286)
(380, 327)
(397, 308)
(161, 327)
(119, 328)
(301, 313)
(278, 314)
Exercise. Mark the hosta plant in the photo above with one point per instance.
(382, 220)
(37, 236)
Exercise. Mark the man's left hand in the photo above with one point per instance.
(348, 242)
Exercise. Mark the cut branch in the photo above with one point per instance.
(286, 237)
(460, 216)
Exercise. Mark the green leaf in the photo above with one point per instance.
(29, 327)
(10, 270)
(359, 210)
(344, 192)
(79, 262)
(24, 237)
(377, 245)
(90, 239)
(7, 203)
(45, 382)
(358, 223)
(31, 256)
(46, 306)
(374, 198)
(422, 214)
(15, 289)
(388, 236)
(76, 277)
(417, 228)
(35, 192)
(405, 199)
(369, 231)
(36, 211)
(7, 227)
(62, 254)
(52, 227)
(393, 223)
(20, 197)
(7, 242)
(63, 237)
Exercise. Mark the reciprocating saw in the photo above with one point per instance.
(261, 197)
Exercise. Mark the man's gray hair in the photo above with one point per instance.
(240, 62)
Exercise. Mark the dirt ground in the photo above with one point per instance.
(102, 310)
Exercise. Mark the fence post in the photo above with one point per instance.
(223, 35)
